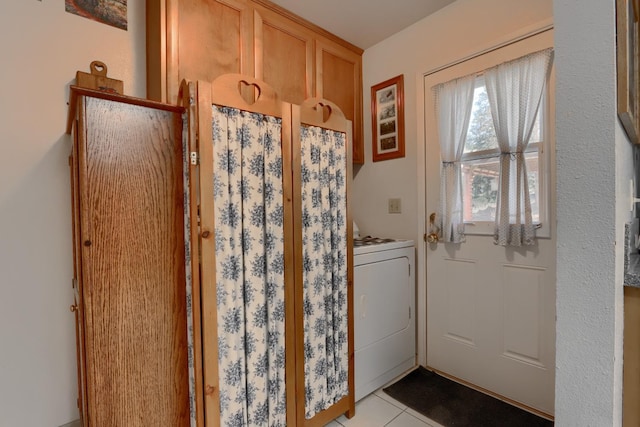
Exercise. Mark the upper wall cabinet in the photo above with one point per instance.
(203, 39)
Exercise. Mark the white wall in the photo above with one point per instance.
(458, 30)
(431, 43)
(42, 48)
(594, 167)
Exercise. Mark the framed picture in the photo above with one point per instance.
(387, 119)
(110, 12)
(627, 14)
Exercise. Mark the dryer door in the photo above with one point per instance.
(383, 319)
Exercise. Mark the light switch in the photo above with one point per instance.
(395, 206)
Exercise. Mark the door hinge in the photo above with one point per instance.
(194, 158)
(409, 312)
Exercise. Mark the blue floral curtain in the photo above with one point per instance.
(249, 267)
(324, 241)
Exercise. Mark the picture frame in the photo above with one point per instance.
(387, 119)
(110, 12)
(628, 66)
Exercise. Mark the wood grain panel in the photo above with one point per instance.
(339, 79)
(213, 39)
(133, 266)
(283, 56)
(203, 39)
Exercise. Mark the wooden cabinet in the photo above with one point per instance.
(203, 39)
(283, 55)
(157, 261)
(339, 78)
(288, 287)
(128, 225)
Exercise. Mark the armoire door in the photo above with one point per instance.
(321, 141)
(127, 170)
(244, 204)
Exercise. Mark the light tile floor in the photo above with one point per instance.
(381, 410)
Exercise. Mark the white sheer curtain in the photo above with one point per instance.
(454, 100)
(515, 89)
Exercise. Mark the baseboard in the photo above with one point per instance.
(75, 423)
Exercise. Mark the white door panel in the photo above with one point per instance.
(490, 310)
(491, 322)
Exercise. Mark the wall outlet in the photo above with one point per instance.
(395, 205)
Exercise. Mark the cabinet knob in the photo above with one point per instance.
(73, 308)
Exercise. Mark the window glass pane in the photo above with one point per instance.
(480, 187)
(534, 184)
(536, 133)
(481, 134)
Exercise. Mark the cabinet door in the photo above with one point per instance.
(196, 40)
(339, 79)
(323, 254)
(133, 268)
(283, 55)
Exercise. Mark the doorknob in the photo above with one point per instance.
(433, 236)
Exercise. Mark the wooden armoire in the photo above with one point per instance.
(150, 310)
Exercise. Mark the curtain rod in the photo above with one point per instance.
(491, 49)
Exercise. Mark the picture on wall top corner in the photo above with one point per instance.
(387, 119)
(110, 12)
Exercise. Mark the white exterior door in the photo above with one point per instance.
(490, 309)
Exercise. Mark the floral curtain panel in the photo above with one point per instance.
(248, 199)
(515, 90)
(324, 240)
(454, 100)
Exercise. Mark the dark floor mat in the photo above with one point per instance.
(452, 404)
